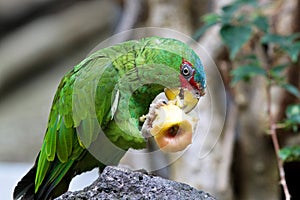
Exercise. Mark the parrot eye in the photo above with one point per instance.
(186, 71)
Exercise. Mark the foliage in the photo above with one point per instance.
(286, 43)
(245, 72)
(293, 117)
(240, 33)
(244, 22)
(289, 154)
(242, 25)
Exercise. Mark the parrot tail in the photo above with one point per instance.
(57, 179)
(52, 186)
(25, 186)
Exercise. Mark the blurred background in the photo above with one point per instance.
(40, 40)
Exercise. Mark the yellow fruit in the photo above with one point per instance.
(189, 100)
(172, 129)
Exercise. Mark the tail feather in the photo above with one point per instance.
(54, 184)
(57, 179)
(57, 182)
(25, 187)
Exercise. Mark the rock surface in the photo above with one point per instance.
(120, 183)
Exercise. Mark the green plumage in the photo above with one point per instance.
(107, 91)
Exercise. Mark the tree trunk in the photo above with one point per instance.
(255, 168)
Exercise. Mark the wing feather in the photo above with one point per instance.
(73, 123)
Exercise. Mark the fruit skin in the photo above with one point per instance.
(170, 126)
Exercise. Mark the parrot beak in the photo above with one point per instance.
(185, 99)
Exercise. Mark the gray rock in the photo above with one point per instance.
(120, 183)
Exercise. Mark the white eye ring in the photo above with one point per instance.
(186, 70)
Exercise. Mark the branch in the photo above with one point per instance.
(264, 57)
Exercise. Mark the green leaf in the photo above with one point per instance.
(293, 36)
(249, 2)
(251, 58)
(211, 18)
(293, 51)
(230, 9)
(209, 21)
(235, 37)
(261, 22)
(202, 30)
(281, 40)
(279, 68)
(291, 89)
(293, 117)
(293, 110)
(234, 6)
(286, 43)
(276, 73)
(246, 72)
(248, 59)
(275, 38)
(290, 154)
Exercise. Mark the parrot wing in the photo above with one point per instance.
(73, 123)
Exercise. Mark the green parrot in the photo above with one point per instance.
(98, 105)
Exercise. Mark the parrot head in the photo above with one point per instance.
(190, 78)
(170, 121)
(179, 56)
(192, 81)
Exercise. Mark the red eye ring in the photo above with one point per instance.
(186, 70)
(185, 62)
